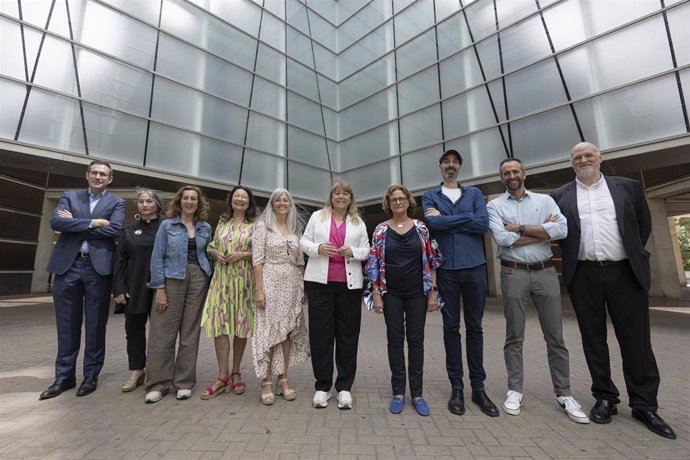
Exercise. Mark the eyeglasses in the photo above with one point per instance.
(398, 200)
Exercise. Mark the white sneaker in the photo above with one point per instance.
(153, 397)
(321, 399)
(572, 408)
(184, 394)
(344, 400)
(513, 403)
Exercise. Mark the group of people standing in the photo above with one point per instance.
(248, 279)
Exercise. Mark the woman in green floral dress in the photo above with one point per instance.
(229, 307)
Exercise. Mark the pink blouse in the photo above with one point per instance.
(336, 263)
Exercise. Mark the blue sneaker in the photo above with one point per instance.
(397, 404)
(420, 406)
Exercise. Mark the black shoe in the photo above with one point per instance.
(654, 422)
(88, 386)
(480, 398)
(456, 403)
(56, 389)
(602, 411)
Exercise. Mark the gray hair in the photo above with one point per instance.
(156, 199)
(294, 220)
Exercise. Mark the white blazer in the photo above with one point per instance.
(318, 231)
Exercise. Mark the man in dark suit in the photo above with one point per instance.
(89, 221)
(606, 269)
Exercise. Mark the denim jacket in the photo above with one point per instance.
(169, 257)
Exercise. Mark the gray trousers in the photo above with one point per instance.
(183, 316)
(517, 287)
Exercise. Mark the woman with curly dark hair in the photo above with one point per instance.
(229, 307)
(180, 272)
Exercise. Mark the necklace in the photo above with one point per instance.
(399, 224)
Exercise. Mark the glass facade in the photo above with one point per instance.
(292, 93)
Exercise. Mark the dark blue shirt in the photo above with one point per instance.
(459, 230)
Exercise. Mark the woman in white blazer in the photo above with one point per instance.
(336, 242)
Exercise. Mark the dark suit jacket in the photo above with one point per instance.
(76, 229)
(634, 223)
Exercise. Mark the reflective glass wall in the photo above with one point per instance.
(294, 92)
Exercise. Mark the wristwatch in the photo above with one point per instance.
(521, 229)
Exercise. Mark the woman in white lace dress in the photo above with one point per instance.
(280, 337)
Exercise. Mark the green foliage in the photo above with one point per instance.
(683, 232)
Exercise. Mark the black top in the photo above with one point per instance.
(132, 268)
(404, 276)
(192, 257)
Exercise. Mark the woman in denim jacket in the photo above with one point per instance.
(180, 272)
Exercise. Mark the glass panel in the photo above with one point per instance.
(11, 57)
(299, 48)
(420, 169)
(330, 121)
(509, 11)
(13, 95)
(685, 82)
(544, 137)
(306, 182)
(273, 32)
(418, 91)
(489, 57)
(114, 135)
(304, 113)
(296, 15)
(106, 30)
(416, 55)
(525, 96)
(576, 20)
(9, 8)
(242, 14)
(678, 20)
(366, 82)
(420, 129)
(55, 68)
(307, 147)
(207, 32)
(53, 121)
(322, 32)
(203, 70)
(399, 5)
(326, 62)
(452, 35)
(467, 112)
(650, 110)
(497, 98)
(366, 20)
(271, 64)
(262, 172)
(268, 98)
(524, 43)
(303, 80)
(377, 144)
(190, 109)
(266, 134)
(373, 111)
(145, 10)
(481, 153)
(112, 84)
(459, 73)
(371, 182)
(481, 18)
(616, 59)
(446, 8)
(414, 20)
(276, 7)
(365, 51)
(328, 92)
(59, 20)
(32, 12)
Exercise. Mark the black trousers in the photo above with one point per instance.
(596, 290)
(405, 316)
(135, 328)
(335, 314)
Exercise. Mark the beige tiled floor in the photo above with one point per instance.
(111, 424)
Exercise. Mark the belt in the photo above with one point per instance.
(602, 263)
(83, 254)
(529, 267)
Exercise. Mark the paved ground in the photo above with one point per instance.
(111, 424)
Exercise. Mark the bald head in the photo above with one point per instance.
(586, 161)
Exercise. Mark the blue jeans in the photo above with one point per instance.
(470, 283)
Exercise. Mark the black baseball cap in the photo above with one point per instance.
(450, 152)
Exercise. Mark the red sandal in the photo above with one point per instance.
(210, 393)
(239, 386)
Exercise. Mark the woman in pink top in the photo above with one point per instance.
(336, 242)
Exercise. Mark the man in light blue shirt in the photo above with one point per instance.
(523, 224)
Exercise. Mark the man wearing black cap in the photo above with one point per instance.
(457, 217)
